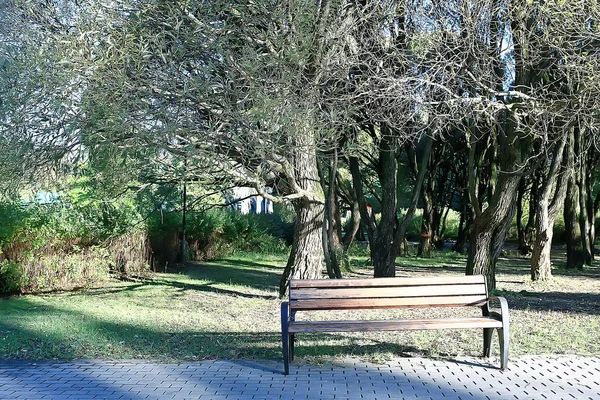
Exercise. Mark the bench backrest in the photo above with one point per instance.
(343, 294)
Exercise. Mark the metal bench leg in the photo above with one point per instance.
(504, 341)
(286, 353)
(487, 341)
(285, 337)
(292, 342)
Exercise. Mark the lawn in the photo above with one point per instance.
(229, 309)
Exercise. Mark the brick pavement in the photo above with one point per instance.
(570, 377)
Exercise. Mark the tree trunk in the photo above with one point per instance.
(480, 259)
(331, 237)
(488, 225)
(559, 176)
(523, 248)
(465, 224)
(442, 230)
(428, 212)
(533, 204)
(383, 249)
(500, 234)
(582, 184)
(540, 255)
(386, 236)
(591, 209)
(584, 224)
(306, 256)
(353, 226)
(427, 222)
(575, 255)
(541, 266)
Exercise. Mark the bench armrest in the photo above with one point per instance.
(503, 307)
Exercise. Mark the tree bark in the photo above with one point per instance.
(520, 228)
(559, 176)
(465, 224)
(584, 224)
(353, 226)
(386, 236)
(575, 255)
(427, 221)
(488, 225)
(590, 169)
(427, 198)
(533, 204)
(383, 249)
(306, 256)
(331, 237)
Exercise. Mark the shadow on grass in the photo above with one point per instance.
(90, 337)
(234, 272)
(211, 277)
(579, 303)
(508, 265)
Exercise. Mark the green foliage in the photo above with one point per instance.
(60, 245)
(220, 232)
(12, 277)
(13, 221)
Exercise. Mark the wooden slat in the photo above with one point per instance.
(393, 325)
(387, 292)
(410, 302)
(379, 282)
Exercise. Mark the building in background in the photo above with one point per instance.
(250, 202)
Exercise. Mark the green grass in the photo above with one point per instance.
(229, 309)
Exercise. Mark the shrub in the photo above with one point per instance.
(12, 277)
(60, 247)
(217, 233)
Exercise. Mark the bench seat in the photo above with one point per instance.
(392, 325)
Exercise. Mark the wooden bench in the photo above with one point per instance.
(355, 294)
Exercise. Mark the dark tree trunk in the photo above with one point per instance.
(500, 233)
(523, 248)
(331, 239)
(386, 236)
(489, 231)
(575, 255)
(337, 220)
(383, 248)
(427, 198)
(533, 204)
(465, 224)
(427, 222)
(440, 211)
(481, 258)
(442, 230)
(590, 169)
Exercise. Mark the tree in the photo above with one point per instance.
(246, 93)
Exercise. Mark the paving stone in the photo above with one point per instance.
(570, 377)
